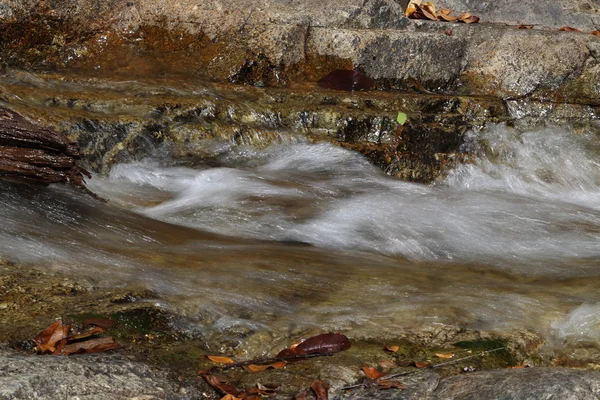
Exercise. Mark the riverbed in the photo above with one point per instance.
(301, 236)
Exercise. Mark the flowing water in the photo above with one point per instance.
(302, 235)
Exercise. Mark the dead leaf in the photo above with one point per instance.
(422, 364)
(372, 373)
(449, 32)
(444, 355)
(595, 33)
(47, 339)
(411, 8)
(326, 343)
(222, 386)
(101, 322)
(259, 368)
(96, 331)
(230, 397)
(391, 349)
(348, 80)
(524, 26)
(569, 29)
(220, 359)
(97, 345)
(468, 18)
(320, 388)
(267, 388)
(445, 15)
(384, 385)
(387, 364)
(428, 10)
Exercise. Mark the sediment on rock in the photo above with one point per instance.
(32, 154)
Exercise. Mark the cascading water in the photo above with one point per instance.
(312, 234)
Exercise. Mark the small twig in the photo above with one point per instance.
(387, 377)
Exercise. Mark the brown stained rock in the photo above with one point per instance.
(32, 154)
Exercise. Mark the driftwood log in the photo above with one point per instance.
(32, 154)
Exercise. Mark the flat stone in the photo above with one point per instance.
(85, 377)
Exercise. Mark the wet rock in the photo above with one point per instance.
(527, 383)
(97, 376)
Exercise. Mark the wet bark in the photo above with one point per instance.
(32, 154)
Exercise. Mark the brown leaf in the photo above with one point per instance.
(569, 29)
(223, 387)
(49, 337)
(391, 349)
(468, 18)
(97, 345)
(220, 359)
(326, 343)
(445, 15)
(412, 7)
(348, 80)
(266, 389)
(387, 364)
(422, 364)
(372, 373)
(101, 322)
(410, 11)
(428, 9)
(384, 385)
(524, 26)
(320, 388)
(595, 33)
(425, 13)
(259, 368)
(230, 397)
(444, 355)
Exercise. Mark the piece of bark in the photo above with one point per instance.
(37, 155)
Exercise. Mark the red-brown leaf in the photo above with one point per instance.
(569, 29)
(97, 345)
(326, 343)
(223, 387)
(595, 33)
(101, 322)
(49, 337)
(422, 364)
(384, 385)
(372, 373)
(320, 388)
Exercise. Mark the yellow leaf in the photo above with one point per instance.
(258, 368)
(220, 360)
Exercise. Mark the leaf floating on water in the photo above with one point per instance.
(444, 355)
(348, 80)
(220, 359)
(372, 373)
(326, 343)
(320, 388)
(258, 368)
(401, 118)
